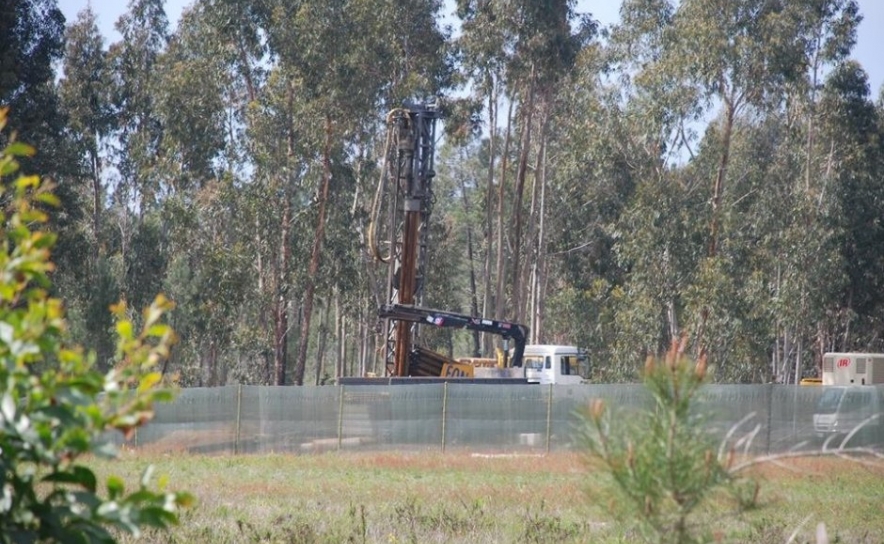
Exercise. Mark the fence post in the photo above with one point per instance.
(549, 417)
(770, 387)
(238, 419)
(444, 412)
(341, 417)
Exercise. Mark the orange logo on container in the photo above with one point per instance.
(843, 363)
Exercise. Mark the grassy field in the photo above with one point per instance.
(434, 497)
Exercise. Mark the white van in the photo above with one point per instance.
(841, 409)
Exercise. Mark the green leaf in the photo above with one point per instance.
(149, 380)
(159, 517)
(20, 149)
(8, 167)
(78, 475)
(124, 329)
(115, 487)
(158, 330)
(51, 413)
(184, 499)
(49, 199)
(27, 182)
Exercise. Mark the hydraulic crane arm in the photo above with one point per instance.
(440, 318)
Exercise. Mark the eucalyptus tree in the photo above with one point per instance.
(207, 246)
(587, 193)
(641, 243)
(732, 53)
(279, 132)
(551, 36)
(482, 46)
(799, 244)
(851, 131)
(85, 101)
(520, 49)
(210, 278)
(696, 58)
(135, 238)
(32, 41)
(452, 278)
(221, 218)
(829, 37)
(192, 82)
(144, 31)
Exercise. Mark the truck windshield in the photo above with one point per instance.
(533, 363)
(828, 403)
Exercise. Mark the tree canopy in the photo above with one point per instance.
(702, 169)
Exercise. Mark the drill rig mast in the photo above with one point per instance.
(401, 214)
(400, 218)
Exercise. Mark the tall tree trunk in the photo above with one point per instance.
(474, 297)
(717, 189)
(281, 302)
(811, 114)
(720, 175)
(316, 254)
(501, 275)
(280, 314)
(339, 332)
(96, 204)
(527, 118)
(538, 273)
(323, 336)
(487, 342)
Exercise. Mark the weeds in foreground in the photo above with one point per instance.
(541, 527)
(295, 530)
(467, 500)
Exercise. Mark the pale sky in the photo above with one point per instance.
(868, 50)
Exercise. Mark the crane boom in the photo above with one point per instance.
(440, 318)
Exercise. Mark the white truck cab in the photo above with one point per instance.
(555, 364)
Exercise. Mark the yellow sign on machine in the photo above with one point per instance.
(457, 370)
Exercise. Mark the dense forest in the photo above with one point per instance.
(705, 169)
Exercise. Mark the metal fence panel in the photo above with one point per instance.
(495, 417)
(287, 419)
(392, 416)
(200, 420)
(452, 416)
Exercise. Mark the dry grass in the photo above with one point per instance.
(460, 497)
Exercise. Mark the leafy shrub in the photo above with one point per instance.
(55, 408)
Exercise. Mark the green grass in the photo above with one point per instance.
(457, 497)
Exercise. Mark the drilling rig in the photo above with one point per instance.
(399, 237)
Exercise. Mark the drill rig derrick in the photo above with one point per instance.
(400, 217)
